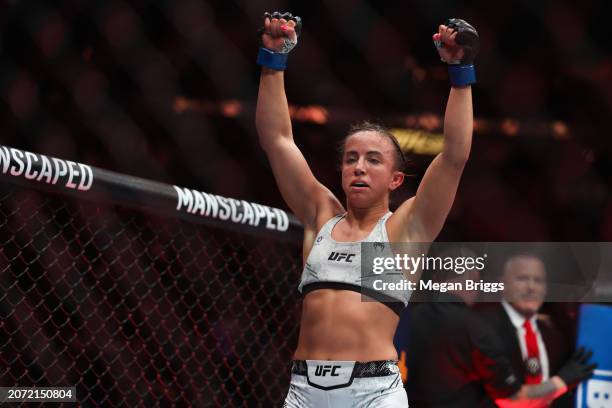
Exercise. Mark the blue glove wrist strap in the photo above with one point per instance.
(462, 75)
(271, 59)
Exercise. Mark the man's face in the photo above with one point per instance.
(525, 284)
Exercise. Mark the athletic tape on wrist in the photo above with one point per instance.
(271, 59)
(462, 75)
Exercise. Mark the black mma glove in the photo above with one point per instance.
(278, 37)
(577, 368)
(458, 44)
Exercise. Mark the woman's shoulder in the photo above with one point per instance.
(397, 222)
(327, 211)
(328, 220)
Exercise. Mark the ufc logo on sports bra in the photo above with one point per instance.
(341, 256)
(322, 370)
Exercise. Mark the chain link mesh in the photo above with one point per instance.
(136, 309)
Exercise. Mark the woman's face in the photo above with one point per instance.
(368, 169)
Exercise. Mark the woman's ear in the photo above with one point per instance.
(397, 180)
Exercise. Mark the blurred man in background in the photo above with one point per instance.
(535, 347)
(456, 359)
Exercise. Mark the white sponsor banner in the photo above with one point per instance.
(43, 169)
(230, 209)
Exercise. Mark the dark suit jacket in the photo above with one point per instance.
(557, 349)
(454, 359)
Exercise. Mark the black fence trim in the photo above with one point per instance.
(90, 183)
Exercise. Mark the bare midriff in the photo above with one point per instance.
(339, 325)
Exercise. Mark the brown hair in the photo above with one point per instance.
(367, 126)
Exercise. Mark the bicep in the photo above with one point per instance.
(302, 192)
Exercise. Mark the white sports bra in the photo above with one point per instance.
(337, 265)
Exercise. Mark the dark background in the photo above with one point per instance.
(166, 90)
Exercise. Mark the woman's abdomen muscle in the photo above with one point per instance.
(339, 325)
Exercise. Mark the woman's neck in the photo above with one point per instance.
(363, 217)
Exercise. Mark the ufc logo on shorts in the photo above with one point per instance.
(322, 370)
(341, 256)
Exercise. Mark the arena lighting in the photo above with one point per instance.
(418, 133)
(232, 108)
(419, 141)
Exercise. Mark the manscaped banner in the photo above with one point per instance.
(82, 181)
(44, 169)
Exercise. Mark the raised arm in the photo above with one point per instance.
(302, 192)
(422, 218)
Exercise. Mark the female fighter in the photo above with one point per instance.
(345, 355)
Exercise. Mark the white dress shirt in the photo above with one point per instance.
(518, 320)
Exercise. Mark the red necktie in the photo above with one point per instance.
(533, 368)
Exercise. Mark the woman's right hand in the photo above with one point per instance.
(279, 34)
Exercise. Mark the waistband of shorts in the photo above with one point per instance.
(361, 370)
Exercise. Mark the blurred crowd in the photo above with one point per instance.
(98, 82)
(166, 90)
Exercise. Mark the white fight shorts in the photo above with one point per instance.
(339, 384)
